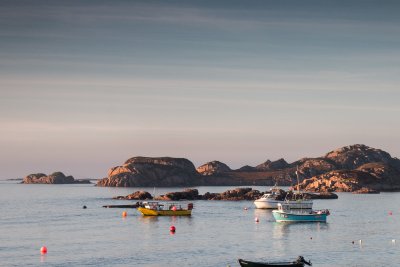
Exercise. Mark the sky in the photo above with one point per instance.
(85, 85)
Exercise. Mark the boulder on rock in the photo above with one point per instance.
(138, 195)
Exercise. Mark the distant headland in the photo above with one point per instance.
(356, 168)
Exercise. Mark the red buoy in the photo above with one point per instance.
(172, 228)
(173, 208)
(43, 250)
(256, 220)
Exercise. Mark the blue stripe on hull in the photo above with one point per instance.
(291, 217)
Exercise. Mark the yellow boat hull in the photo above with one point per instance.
(150, 212)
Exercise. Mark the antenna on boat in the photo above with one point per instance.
(298, 180)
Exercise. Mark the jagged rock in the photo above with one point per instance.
(309, 167)
(213, 167)
(145, 171)
(247, 168)
(235, 194)
(273, 165)
(54, 178)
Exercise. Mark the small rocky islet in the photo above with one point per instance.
(356, 168)
(233, 195)
(54, 178)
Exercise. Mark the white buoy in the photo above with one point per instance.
(360, 241)
(393, 241)
(256, 220)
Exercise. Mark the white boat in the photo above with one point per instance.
(275, 197)
(271, 201)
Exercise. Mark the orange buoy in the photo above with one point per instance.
(124, 214)
(172, 229)
(43, 250)
(256, 220)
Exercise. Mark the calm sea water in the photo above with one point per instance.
(218, 233)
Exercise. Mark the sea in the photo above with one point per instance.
(362, 230)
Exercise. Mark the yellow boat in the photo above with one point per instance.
(170, 209)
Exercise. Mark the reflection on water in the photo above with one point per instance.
(284, 228)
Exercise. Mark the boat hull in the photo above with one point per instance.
(273, 204)
(245, 263)
(281, 216)
(151, 212)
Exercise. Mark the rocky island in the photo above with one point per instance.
(356, 168)
(54, 178)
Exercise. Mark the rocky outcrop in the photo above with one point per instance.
(309, 167)
(213, 167)
(145, 171)
(54, 178)
(368, 178)
(138, 195)
(352, 157)
(327, 173)
(187, 194)
(234, 194)
(273, 165)
(247, 168)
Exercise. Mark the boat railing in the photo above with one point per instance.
(166, 206)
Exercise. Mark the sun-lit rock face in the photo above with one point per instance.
(213, 167)
(147, 171)
(352, 168)
(352, 157)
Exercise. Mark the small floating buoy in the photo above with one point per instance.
(360, 241)
(84, 207)
(245, 208)
(172, 229)
(390, 213)
(352, 242)
(310, 237)
(124, 214)
(43, 250)
(393, 241)
(256, 219)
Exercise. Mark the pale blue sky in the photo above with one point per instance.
(84, 85)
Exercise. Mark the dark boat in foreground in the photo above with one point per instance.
(300, 262)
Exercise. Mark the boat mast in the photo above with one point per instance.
(298, 180)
